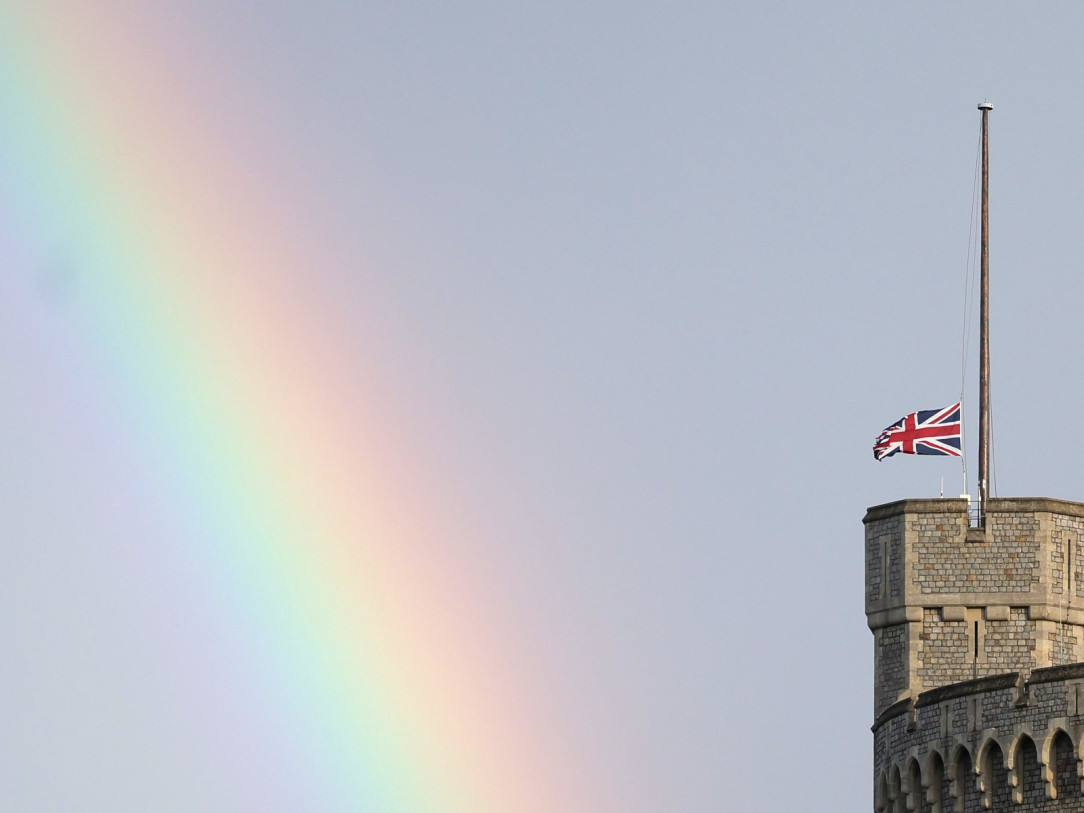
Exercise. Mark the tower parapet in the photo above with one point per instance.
(1002, 743)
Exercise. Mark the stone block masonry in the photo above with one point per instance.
(978, 656)
(1002, 743)
(946, 604)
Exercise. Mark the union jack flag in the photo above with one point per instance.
(928, 431)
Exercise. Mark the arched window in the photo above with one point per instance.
(968, 798)
(895, 792)
(939, 798)
(880, 798)
(1026, 762)
(997, 777)
(915, 794)
(1066, 778)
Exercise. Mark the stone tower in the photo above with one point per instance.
(978, 655)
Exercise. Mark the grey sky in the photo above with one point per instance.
(656, 275)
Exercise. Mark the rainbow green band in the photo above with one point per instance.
(390, 678)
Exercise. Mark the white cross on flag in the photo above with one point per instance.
(928, 431)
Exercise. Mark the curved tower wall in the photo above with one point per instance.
(1001, 743)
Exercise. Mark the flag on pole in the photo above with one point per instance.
(928, 431)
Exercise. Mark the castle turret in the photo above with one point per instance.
(976, 633)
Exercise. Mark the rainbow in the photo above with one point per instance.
(314, 534)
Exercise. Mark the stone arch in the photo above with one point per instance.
(1025, 771)
(1047, 760)
(880, 794)
(984, 749)
(1062, 765)
(938, 788)
(993, 771)
(911, 783)
(965, 790)
(896, 800)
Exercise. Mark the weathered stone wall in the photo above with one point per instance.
(1066, 558)
(949, 603)
(938, 549)
(1007, 641)
(1064, 644)
(999, 743)
(891, 646)
(943, 655)
(1008, 644)
(884, 543)
(1008, 560)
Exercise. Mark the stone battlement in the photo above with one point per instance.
(1004, 742)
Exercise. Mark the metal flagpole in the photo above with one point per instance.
(984, 319)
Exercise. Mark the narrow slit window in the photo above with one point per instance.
(1069, 542)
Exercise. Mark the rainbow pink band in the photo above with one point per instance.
(380, 653)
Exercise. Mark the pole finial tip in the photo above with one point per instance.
(985, 106)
